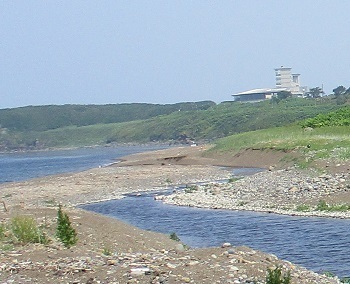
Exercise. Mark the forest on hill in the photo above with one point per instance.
(41, 118)
(85, 125)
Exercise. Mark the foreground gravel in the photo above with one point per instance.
(110, 251)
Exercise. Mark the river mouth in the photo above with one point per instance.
(319, 244)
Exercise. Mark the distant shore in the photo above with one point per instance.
(278, 190)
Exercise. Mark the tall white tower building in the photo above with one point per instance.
(285, 79)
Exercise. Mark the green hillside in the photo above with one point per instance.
(323, 137)
(203, 121)
(41, 118)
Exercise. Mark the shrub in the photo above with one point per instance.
(233, 179)
(191, 188)
(25, 230)
(2, 231)
(328, 274)
(107, 251)
(303, 208)
(65, 232)
(322, 206)
(339, 117)
(274, 276)
(174, 237)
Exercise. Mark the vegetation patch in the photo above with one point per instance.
(300, 147)
(73, 126)
(340, 117)
(323, 206)
(303, 208)
(2, 231)
(25, 230)
(107, 251)
(191, 188)
(65, 232)
(174, 237)
(276, 276)
(233, 179)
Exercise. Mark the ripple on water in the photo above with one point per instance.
(319, 244)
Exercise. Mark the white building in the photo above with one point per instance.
(289, 81)
(285, 81)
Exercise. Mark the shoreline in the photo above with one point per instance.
(167, 259)
(284, 192)
(163, 169)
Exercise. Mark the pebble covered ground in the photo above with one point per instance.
(287, 191)
(109, 251)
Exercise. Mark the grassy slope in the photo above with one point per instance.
(319, 143)
(209, 124)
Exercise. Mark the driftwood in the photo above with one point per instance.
(5, 208)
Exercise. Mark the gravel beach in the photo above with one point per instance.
(136, 256)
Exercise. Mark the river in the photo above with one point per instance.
(26, 165)
(319, 244)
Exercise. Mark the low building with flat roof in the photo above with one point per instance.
(257, 94)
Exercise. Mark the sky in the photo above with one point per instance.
(169, 51)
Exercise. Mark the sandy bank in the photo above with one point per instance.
(130, 248)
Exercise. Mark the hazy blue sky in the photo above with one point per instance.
(97, 52)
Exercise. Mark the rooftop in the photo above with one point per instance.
(260, 91)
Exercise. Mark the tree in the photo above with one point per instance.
(347, 92)
(283, 95)
(316, 92)
(276, 98)
(65, 232)
(338, 91)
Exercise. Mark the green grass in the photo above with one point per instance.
(25, 230)
(233, 179)
(303, 208)
(323, 206)
(326, 142)
(106, 251)
(2, 231)
(207, 123)
(275, 276)
(6, 247)
(191, 188)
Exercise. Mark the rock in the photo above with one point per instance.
(192, 263)
(171, 265)
(180, 248)
(139, 271)
(111, 262)
(231, 251)
(226, 245)
(234, 268)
